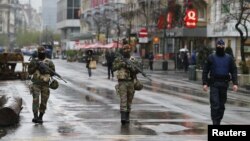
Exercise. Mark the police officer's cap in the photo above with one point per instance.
(220, 42)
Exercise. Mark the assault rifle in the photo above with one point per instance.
(134, 66)
(42, 65)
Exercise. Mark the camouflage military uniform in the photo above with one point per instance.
(40, 85)
(125, 87)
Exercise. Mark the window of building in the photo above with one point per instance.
(70, 13)
(201, 13)
(76, 3)
(70, 3)
(73, 9)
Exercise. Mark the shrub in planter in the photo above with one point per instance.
(71, 55)
(203, 53)
(229, 51)
(244, 68)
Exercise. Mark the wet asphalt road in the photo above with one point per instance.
(170, 108)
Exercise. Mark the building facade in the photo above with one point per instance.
(68, 20)
(222, 26)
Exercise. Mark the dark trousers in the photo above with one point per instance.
(110, 71)
(218, 98)
(89, 72)
(151, 65)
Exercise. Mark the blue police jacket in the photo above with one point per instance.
(220, 67)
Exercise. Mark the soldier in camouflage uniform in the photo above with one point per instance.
(40, 83)
(125, 87)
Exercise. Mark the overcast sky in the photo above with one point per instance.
(34, 3)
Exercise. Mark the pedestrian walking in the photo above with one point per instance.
(151, 60)
(126, 75)
(193, 58)
(221, 69)
(110, 57)
(89, 58)
(41, 78)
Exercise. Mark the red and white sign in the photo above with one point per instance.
(191, 18)
(143, 32)
(143, 35)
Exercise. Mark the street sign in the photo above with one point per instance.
(143, 35)
(143, 40)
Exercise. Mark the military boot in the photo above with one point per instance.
(123, 117)
(35, 117)
(127, 117)
(40, 118)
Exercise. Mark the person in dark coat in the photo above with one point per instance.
(221, 69)
(151, 60)
(110, 57)
(89, 57)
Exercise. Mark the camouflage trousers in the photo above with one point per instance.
(125, 89)
(39, 92)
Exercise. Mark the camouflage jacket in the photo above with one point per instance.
(40, 76)
(125, 71)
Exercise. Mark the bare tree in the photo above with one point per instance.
(98, 21)
(128, 14)
(239, 10)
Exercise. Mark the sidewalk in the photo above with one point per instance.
(181, 75)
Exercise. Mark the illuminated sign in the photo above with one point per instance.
(191, 18)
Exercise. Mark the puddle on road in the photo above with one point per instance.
(67, 130)
(98, 112)
(195, 128)
(113, 128)
(190, 128)
(159, 115)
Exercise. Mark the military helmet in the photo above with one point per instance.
(138, 85)
(54, 84)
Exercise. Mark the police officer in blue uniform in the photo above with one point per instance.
(218, 71)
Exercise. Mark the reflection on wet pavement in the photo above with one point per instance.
(104, 128)
(159, 115)
(177, 128)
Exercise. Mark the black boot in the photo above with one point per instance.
(123, 117)
(216, 122)
(127, 117)
(35, 117)
(40, 118)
